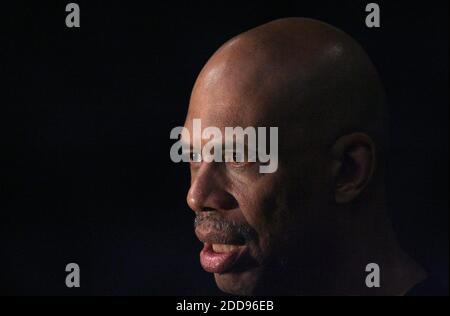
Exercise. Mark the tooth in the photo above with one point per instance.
(223, 247)
(216, 247)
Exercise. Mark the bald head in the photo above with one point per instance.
(293, 72)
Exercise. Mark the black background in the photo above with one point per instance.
(86, 115)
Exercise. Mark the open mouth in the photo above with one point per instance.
(226, 247)
(221, 258)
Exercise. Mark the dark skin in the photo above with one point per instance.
(321, 217)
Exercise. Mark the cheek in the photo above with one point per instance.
(263, 206)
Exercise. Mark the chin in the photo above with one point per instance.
(239, 283)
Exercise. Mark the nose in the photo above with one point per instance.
(208, 190)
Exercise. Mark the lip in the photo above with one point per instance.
(210, 236)
(220, 262)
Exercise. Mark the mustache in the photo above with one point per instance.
(215, 222)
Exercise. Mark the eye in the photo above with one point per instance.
(232, 157)
(236, 159)
(195, 157)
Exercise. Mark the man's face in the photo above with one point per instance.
(238, 218)
(252, 224)
(245, 218)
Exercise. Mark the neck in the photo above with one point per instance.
(398, 272)
(337, 264)
(370, 238)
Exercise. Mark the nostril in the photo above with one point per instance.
(208, 192)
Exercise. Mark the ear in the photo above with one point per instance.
(353, 165)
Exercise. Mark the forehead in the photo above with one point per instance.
(236, 88)
(223, 115)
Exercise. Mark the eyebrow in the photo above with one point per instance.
(247, 150)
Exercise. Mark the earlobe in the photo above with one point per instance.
(354, 166)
